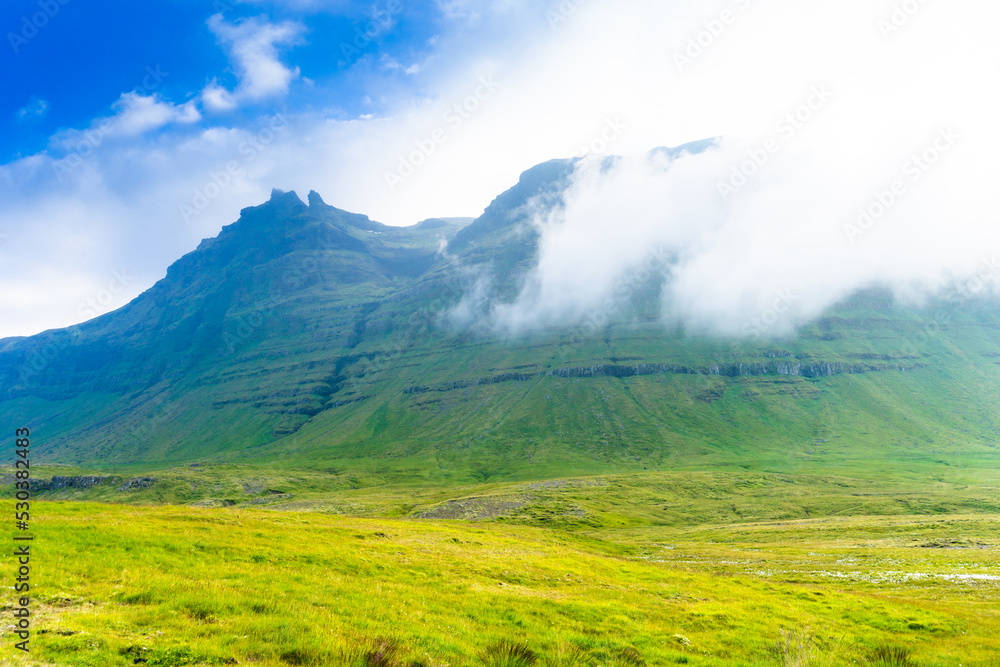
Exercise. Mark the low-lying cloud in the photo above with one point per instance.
(755, 238)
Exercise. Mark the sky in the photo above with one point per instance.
(129, 132)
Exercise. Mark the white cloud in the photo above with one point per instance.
(792, 231)
(252, 45)
(558, 88)
(331, 6)
(390, 63)
(473, 11)
(36, 108)
(217, 98)
(782, 237)
(141, 113)
(135, 114)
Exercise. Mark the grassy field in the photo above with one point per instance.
(701, 568)
(683, 497)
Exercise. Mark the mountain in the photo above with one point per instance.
(307, 336)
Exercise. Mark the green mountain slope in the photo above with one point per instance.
(307, 336)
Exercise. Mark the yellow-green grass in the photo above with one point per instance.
(181, 585)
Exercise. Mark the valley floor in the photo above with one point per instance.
(176, 585)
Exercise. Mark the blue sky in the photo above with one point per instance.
(131, 131)
(80, 60)
(118, 122)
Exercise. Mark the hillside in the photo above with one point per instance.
(306, 336)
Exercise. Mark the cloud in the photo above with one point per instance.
(252, 45)
(473, 11)
(767, 259)
(36, 108)
(331, 6)
(843, 169)
(560, 84)
(217, 98)
(139, 113)
(390, 63)
(135, 115)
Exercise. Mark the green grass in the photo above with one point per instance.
(179, 585)
(725, 495)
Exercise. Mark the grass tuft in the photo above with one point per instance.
(891, 656)
(574, 656)
(631, 658)
(380, 652)
(796, 648)
(200, 611)
(143, 597)
(299, 656)
(508, 654)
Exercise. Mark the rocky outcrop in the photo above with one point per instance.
(462, 384)
(783, 367)
(137, 483)
(474, 509)
(59, 482)
(787, 367)
(83, 482)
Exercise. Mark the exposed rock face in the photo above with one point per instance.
(789, 367)
(474, 509)
(213, 502)
(83, 482)
(137, 483)
(59, 482)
